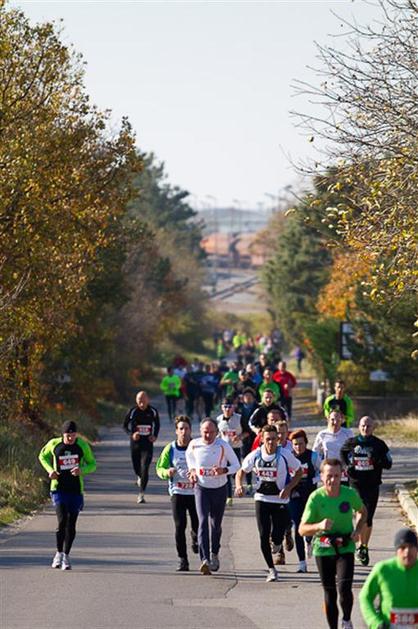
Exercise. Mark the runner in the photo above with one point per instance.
(287, 382)
(259, 418)
(230, 380)
(170, 385)
(67, 459)
(310, 463)
(230, 430)
(269, 384)
(274, 417)
(340, 401)
(328, 516)
(366, 456)
(395, 582)
(273, 488)
(210, 460)
(246, 409)
(172, 466)
(142, 424)
(328, 443)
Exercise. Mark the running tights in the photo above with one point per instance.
(66, 528)
(141, 460)
(181, 504)
(210, 507)
(272, 521)
(340, 567)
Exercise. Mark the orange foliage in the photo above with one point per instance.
(348, 270)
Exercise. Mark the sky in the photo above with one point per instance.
(207, 85)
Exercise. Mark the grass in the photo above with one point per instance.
(403, 429)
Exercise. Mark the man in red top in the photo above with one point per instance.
(287, 381)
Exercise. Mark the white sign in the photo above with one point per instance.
(379, 376)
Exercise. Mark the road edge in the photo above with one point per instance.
(407, 504)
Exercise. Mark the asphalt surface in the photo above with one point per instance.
(124, 561)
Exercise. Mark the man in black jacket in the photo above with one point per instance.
(142, 424)
(365, 457)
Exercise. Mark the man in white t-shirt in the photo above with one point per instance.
(210, 460)
(271, 466)
(328, 442)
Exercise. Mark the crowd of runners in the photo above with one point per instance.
(320, 499)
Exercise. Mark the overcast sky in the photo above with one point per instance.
(206, 85)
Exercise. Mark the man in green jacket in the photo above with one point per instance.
(395, 582)
(170, 385)
(339, 401)
(67, 459)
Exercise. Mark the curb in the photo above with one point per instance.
(407, 504)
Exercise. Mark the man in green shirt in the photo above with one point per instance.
(395, 582)
(170, 386)
(341, 402)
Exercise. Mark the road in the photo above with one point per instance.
(124, 562)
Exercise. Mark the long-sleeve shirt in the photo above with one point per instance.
(397, 589)
(365, 458)
(203, 457)
(145, 421)
(174, 455)
(58, 457)
(230, 429)
(328, 445)
(171, 385)
(344, 405)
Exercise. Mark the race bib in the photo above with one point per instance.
(207, 471)
(267, 473)
(184, 485)
(363, 464)
(404, 618)
(304, 467)
(68, 461)
(325, 542)
(143, 430)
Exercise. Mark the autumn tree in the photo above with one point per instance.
(367, 121)
(64, 178)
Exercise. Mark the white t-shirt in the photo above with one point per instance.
(328, 444)
(230, 428)
(272, 472)
(203, 458)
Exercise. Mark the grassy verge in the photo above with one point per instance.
(412, 487)
(404, 430)
(23, 483)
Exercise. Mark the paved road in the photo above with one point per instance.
(124, 563)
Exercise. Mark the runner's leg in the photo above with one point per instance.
(202, 508)
(145, 458)
(61, 511)
(180, 521)
(70, 531)
(327, 567)
(263, 518)
(217, 509)
(345, 572)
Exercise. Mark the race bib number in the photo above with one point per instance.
(304, 467)
(344, 476)
(184, 485)
(207, 471)
(325, 542)
(267, 473)
(143, 430)
(363, 464)
(404, 618)
(68, 461)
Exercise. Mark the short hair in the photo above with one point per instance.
(280, 411)
(332, 463)
(297, 434)
(339, 381)
(227, 400)
(268, 428)
(267, 390)
(282, 422)
(266, 369)
(211, 420)
(182, 418)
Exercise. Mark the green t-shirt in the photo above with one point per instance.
(273, 386)
(339, 510)
(397, 589)
(233, 377)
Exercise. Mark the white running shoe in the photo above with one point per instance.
(346, 624)
(272, 575)
(229, 502)
(65, 564)
(141, 497)
(57, 560)
(138, 481)
(302, 566)
(214, 563)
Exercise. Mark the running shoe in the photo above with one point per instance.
(302, 566)
(279, 558)
(65, 564)
(288, 540)
(138, 481)
(183, 565)
(57, 560)
(229, 502)
(308, 548)
(214, 563)
(249, 491)
(141, 497)
(205, 568)
(272, 575)
(346, 624)
(362, 555)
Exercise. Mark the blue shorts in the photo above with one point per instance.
(73, 502)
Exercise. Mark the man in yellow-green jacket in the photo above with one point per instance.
(170, 386)
(67, 459)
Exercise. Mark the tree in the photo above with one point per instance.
(369, 120)
(64, 180)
